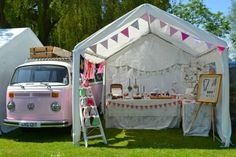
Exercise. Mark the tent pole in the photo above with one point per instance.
(76, 126)
(104, 90)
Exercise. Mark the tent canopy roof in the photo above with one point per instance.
(141, 21)
(6, 35)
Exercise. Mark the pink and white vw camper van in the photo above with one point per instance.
(39, 93)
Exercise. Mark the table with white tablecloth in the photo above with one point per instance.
(143, 113)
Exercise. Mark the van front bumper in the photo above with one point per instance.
(36, 124)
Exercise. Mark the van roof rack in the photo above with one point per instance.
(65, 59)
(49, 52)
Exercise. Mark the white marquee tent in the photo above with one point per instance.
(150, 40)
(14, 50)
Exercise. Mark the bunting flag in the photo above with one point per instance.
(220, 49)
(145, 17)
(184, 36)
(209, 45)
(104, 43)
(125, 32)
(93, 48)
(115, 38)
(162, 24)
(152, 18)
(172, 31)
(135, 25)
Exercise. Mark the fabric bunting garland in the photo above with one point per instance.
(172, 30)
(141, 107)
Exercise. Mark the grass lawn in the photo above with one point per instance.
(56, 142)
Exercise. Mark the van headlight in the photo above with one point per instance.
(11, 106)
(55, 106)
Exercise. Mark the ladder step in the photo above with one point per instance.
(94, 136)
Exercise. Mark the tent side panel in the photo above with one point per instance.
(223, 122)
(12, 55)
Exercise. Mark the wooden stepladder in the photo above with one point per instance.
(89, 116)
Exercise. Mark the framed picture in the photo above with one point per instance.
(209, 88)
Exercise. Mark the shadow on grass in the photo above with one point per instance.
(118, 138)
(40, 135)
(167, 138)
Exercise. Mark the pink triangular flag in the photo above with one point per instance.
(125, 32)
(162, 24)
(152, 18)
(115, 38)
(184, 35)
(104, 43)
(220, 49)
(93, 48)
(209, 45)
(145, 17)
(172, 31)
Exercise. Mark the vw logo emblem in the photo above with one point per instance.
(30, 106)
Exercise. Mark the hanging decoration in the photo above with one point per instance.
(172, 31)
(104, 43)
(101, 68)
(93, 48)
(184, 36)
(173, 67)
(115, 38)
(135, 25)
(220, 49)
(111, 104)
(209, 45)
(162, 24)
(150, 18)
(125, 32)
(145, 17)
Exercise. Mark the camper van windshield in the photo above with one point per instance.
(40, 73)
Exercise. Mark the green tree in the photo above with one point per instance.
(113, 9)
(3, 21)
(199, 15)
(232, 18)
(78, 20)
(35, 14)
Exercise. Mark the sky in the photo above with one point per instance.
(217, 5)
